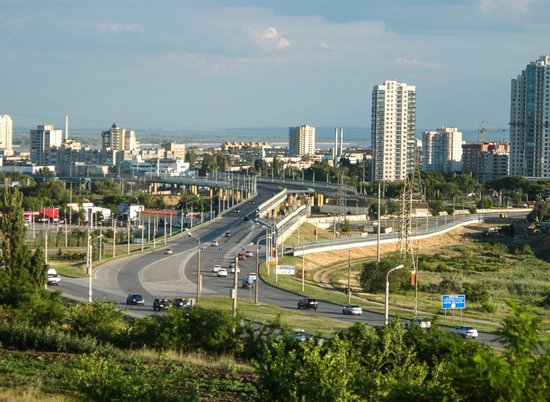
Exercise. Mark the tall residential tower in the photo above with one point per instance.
(301, 140)
(43, 139)
(530, 121)
(393, 129)
(442, 150)
(6, 134)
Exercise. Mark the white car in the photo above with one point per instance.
(53, 277)
(216, 268)
(168, 251)
(466, 332)
(249, 253)
(352, 309)
(233, 269)
(222, 272)
(421, 322)
(252, 276)
(215, 243)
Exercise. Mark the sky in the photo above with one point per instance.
(177, 64)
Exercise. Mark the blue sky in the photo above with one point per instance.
(243, 63)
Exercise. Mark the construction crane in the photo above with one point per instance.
(483, 129)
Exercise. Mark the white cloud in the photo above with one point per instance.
(116, 27)
(508, 5)
(401, 61)
(270, 39)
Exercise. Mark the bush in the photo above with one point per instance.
(103, 321)
(24, 337)
(102, 379)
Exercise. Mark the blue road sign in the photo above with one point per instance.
(201, 248)
(449, 302)
(220, 249)
(259, 247)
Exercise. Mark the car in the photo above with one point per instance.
(300, 335)
(423, 323)
(222, 272)
(241, 256)
(168, 251)
(308, 303)
(252, 276)
(466, 332)
(161, 304)
(247, 284)
(216, 268)
(237, 211)
(215, 243)
(253, 202)
(232, 264)
(352, 309)
(232, 269)
(246, 218)
(135, 299)
(53, 277)
(249, 253)
(180, 303)
(227, 234)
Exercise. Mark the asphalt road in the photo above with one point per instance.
(156, 274)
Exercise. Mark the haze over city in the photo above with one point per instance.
(221, 64)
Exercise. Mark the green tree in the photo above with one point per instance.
(24, 272)
(373, 274)
(345, 226)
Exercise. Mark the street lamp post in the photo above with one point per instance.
(89, 258)
(256, 291)
(388, 292)
(199, 278)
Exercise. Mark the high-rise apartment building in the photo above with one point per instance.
(6, 134)
(442, 150)
(485, 160)
(530, 121)
(43, 139)
(118, 139)
(393, 130)
(301, 140)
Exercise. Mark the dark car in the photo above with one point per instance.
(161, 304)
(227, 234)
(307, 303)
(246, 218)
(248, 284)
(135, 299)
(178, 302)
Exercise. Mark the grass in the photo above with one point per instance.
(40, 376)
(506, 275)
(265, 313)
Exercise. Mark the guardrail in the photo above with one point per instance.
(358, 241)
(267, 205)
(304, 183)
(290, 223)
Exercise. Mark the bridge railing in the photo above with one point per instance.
(362, 241)
(273, 201)
(305, 183)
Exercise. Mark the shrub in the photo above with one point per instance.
(373, 274)
(103, 321)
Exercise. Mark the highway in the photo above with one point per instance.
(156, 274)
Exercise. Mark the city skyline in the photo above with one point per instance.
(220, 64)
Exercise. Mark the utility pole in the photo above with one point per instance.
(349, 276)
(114, 238)
(128, 226)
(303, 268)
(378, 226)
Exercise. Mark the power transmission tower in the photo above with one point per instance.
(412, 193)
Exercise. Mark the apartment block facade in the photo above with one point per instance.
(442, 150)
(530, 121)
(393, 130)
(301, 140)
